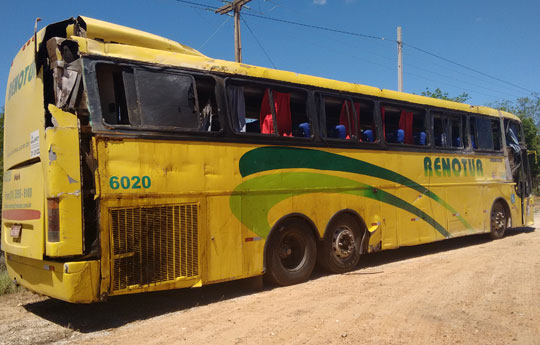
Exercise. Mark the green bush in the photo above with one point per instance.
(6, 284)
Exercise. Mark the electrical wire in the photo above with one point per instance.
(259, 43)
(215, 32)
(318, 27)
(465, 67)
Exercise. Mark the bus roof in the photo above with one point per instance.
(117, 41)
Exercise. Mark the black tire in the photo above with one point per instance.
(340, 250)
(498, 221)
(291, 254)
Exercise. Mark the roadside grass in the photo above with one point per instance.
(6, 285)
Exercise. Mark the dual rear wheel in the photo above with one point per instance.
(292, 250)
(498, 220)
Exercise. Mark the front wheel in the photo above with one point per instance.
(340, 250)
(498, 221)
(291, 254)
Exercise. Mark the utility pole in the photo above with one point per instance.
(235, 6)
(399, 60)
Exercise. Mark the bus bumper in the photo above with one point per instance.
(76, 282)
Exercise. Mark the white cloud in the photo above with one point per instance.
(319, 2)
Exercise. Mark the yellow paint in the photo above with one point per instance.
(62, 166)
(16, 181)
(79, 285)
(206, 174)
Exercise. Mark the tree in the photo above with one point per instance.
(437, 93)
(522, 107)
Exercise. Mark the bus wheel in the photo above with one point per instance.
(340, 250)
(499, 220)
(291, 254)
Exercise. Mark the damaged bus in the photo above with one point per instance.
(134, 163)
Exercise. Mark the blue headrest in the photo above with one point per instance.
(420, 138)
(368, 135)
(457, 142)
(400, 135)
(340, 132)
(304, 130)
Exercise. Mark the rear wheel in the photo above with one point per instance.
(291, 254)
(498, 221)
(340, 249)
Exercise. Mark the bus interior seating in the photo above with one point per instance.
(367, 136)
(397, 136)
(403, 126)
(304, 130)
(339, 132)
(420, 138)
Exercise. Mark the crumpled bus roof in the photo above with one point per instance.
(121, 42)
(109, 32)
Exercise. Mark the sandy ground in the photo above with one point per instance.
(461, 291)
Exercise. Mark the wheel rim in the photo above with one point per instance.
(343, 243)
(498, 220)
(292, 251)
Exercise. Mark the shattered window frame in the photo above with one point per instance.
(483, 131)
(132, 100)
(448, 122)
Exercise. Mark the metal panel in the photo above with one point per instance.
(154, 244)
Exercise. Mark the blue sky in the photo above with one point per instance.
(498, 38)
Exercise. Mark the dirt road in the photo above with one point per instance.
(462, 291)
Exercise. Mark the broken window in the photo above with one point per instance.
(447, 131)
(485, 133)
(156, 99)
(268, 110)
(404, 125)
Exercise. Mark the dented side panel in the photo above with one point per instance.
(63, 178)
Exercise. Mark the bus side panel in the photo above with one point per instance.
(224, 255)
(23, 206)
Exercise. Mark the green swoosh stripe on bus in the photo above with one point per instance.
(272, 158)
(252, 199)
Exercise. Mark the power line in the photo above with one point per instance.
(259, 43)
(215, 32)
(467, 68)
(204, 6)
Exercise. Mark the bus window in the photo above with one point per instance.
(404, 126)
(340, 118)
(156, 99)
(497, 134)
(485, 133)
(112, 94)
(257, 108)
(447, 131)
(166, 99)
(366, 121)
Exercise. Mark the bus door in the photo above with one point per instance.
(519, 166)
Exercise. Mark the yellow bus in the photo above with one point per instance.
(134, 163)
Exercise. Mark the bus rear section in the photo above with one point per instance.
(48, 247)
